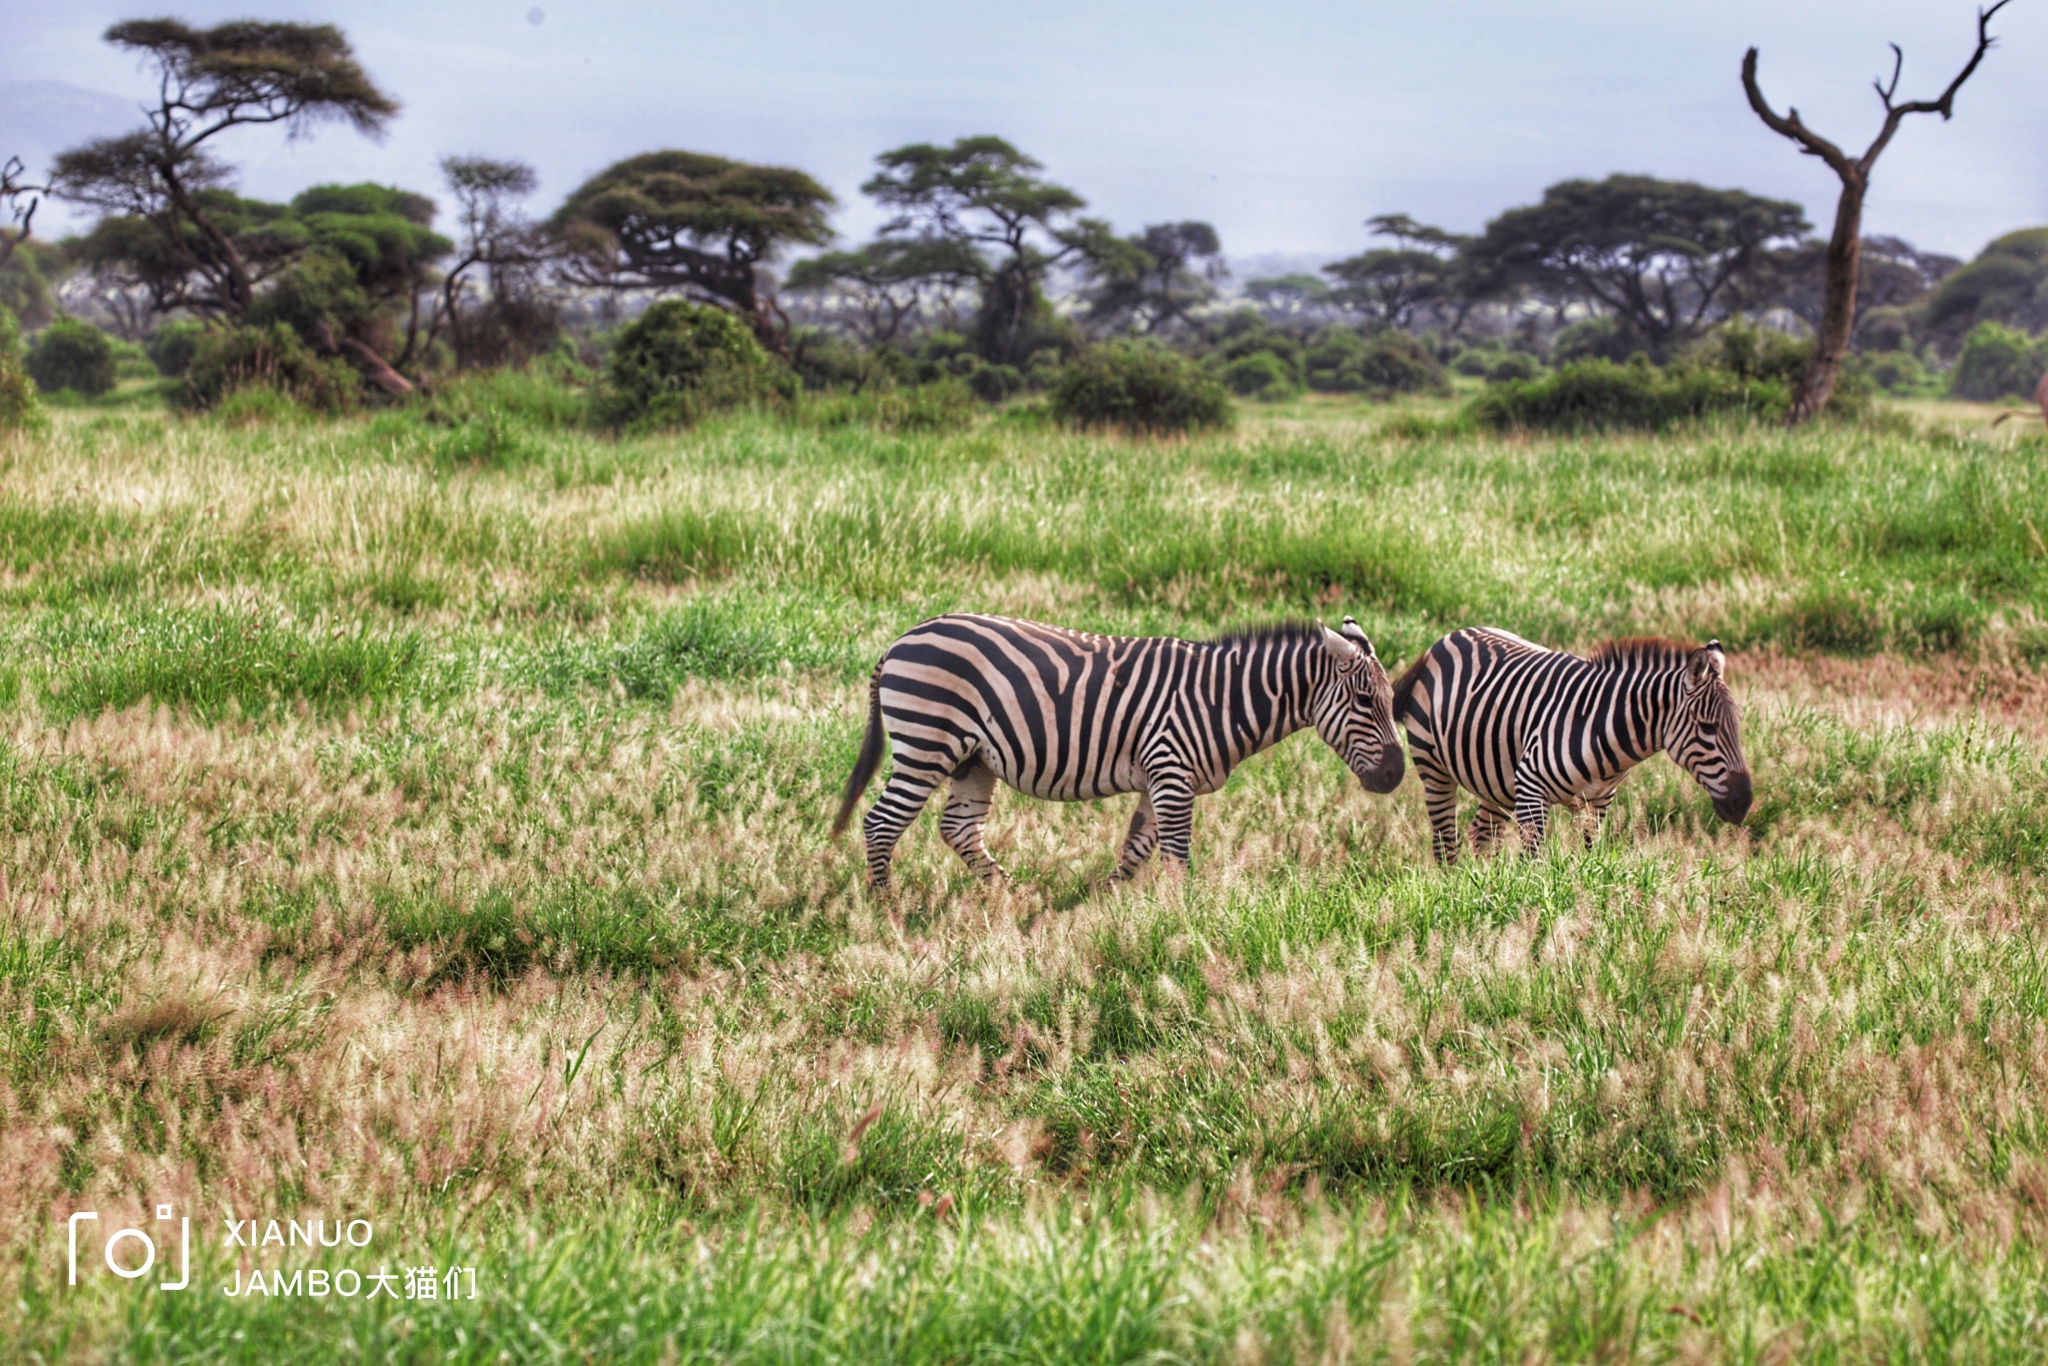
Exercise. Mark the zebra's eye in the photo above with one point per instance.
(1709, 731)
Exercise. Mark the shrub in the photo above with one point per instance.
(1260, 375)
(679, 362)
(1476, 362)
(18, 407)
(228, 361)
(944, 405)
(1515, 365)
(988, 382)
(1997, 362)
(173, 345)
(1595, 339)
(1139, 388)
(72, 355)
(1897, 372)
(1598, 395)
(1381, 366)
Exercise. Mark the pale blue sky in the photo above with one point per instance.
(1285, 124)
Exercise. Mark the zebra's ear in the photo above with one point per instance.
(1343, 650)
(1707, 662)
(1358, 637)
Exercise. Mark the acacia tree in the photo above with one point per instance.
(987, 195)
(21, 198)
(233, 75)
(1659, 255)
(508, 250)
(1838, 313)
(1421, 270)
(1150, 282)
(888, 284)
(703, 224)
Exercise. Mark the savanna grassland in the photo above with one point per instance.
(423, 819)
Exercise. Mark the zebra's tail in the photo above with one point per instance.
(870, 758)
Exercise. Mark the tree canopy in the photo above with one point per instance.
(2007, 283)
(686, 220)
(1424, 269)
(1149, 282)
(890, 282)
(210, 80)
(1659, 255)
(985, 193)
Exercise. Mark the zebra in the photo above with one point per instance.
(1070, 716)
(1525, 728)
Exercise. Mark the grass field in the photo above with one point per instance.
(424, 822)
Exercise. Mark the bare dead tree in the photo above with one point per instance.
(1838, 311)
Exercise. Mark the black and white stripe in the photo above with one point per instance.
(1524, 728)
(1070, 716)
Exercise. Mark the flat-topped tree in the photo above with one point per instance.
(1150, 282)
(703, 224)
(245, 73)
(1390, 285)
(1661, 256)
(985, 193)
(1838, 310)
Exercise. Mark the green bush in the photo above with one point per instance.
(1515, 365)
(1380, 366)
(173, 345)
(1997, 362)
(1260, 375)
(18, 407)
(1897, 372)
(72, 355)
(679, 362)
(228, 361)
(1140, 388)
(1595, 339)
(1598, 395)
(944, 405)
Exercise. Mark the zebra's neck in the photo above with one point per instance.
(1639, 699)
(1265, 689)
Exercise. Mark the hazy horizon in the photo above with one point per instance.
(1285, 132)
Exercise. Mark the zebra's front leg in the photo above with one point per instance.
(1487, 828)
(903, 796)
(1440, 797)
(961, 823)
(1139, 841)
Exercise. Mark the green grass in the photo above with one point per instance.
(421, 816)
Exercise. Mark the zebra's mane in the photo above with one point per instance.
(1643, 651)
(1277, 632)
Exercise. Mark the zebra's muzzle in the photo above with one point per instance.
(1387, 776)
(1733, 805)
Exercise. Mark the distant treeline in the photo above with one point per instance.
(985, 268)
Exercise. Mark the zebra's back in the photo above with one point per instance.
(1476, 699)
(1052, 712)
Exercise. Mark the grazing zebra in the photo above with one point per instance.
(1069, 716)
(1524, 728)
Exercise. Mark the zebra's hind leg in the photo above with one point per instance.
(961, 823)
(1440, 797)
(1598, 804)
(1139, 842)
(902, 797)
(1487, 828)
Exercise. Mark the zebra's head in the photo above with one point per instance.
(1704, 734)
(1354, 710)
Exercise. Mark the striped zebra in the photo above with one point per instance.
(1524, 729)
(1071, 716)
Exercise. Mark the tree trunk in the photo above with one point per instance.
(1838, 310)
